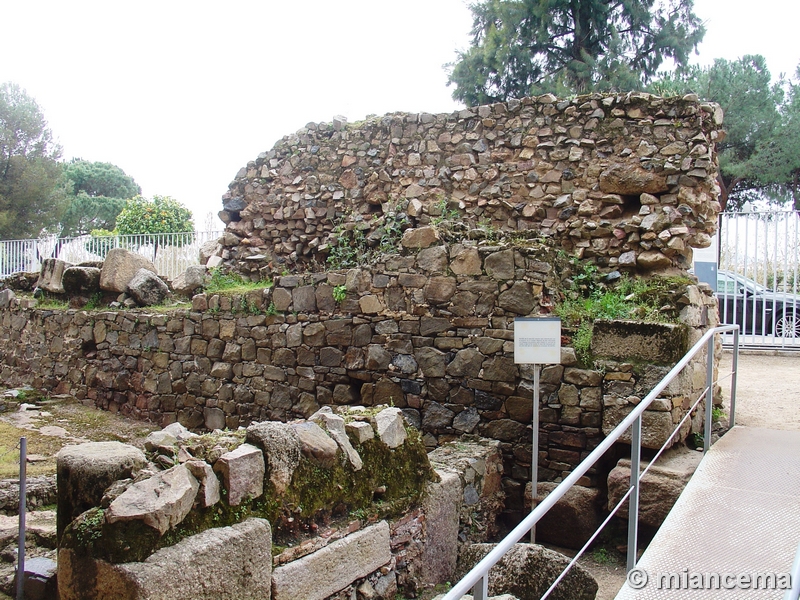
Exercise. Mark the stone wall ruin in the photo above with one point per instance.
(488, 206)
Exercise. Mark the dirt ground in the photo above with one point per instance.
(767, 389)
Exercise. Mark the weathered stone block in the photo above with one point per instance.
(315, 444)
(81, 281)
(50, 277)
(660, 487)
(161, 501)
(119, 267)
(86, 470)
(573, 519)
(242, 473)
(334, 567)
(281, 446)
(227, 562)
(390, 427)
(527, 570)
(658, 343)
(147, 288)
(441, 506)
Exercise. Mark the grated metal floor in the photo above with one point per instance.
(738, 516)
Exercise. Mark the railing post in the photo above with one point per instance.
(481, 589)
(709, 393)
(633, 501)
(735, 371)
(23, 508)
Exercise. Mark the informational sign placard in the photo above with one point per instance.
(537, 340)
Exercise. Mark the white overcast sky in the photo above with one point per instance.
(182, 94)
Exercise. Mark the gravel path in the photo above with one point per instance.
(767, 389)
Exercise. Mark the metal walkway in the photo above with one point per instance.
(738, 518)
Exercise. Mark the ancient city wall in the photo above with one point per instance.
(457, 224)
(624, 180)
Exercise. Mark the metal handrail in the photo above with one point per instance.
(477, 580)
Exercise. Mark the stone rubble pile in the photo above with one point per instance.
(372, 554)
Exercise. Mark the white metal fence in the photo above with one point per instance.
(171, 253)
(758, 276)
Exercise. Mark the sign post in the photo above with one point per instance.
(537, 341)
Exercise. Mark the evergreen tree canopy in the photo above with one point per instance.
(31, 198)
(760, 156)
(529, 47)
(96, 194)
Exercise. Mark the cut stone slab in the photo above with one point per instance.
(281, 446)
(657, 343)
(315, 444)
(441, 505)
(660, 487)
(81, 281)
(527, 570)
(391, 427)
(147, 288)
(233, 562)
(51, 274)
(119, 267)
(334, 567)
(160, 502)
(242, 472)
(336, 429)
(85, 471)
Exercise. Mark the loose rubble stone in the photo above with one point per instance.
(208, 493)
(160, 502)
(119, 267)
(335, 426)
(315, 443)
(527, 570)
(390, 427)
(242, 473)
(281, 446)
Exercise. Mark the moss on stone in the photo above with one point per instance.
(390, 482)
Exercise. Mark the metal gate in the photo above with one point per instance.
(757, 276)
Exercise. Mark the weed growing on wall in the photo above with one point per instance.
(350, 247)
(590, 297)
(222, 281)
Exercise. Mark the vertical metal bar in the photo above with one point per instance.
(709, 393)
(481, 589)
(23, 456)
(535, 448)
(633, 501)
(735, 371)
